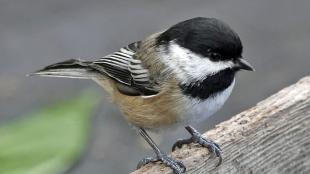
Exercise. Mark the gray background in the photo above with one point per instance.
(35, 33)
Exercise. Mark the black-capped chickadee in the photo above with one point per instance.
(177, 76)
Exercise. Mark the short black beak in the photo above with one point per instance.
(243, 64)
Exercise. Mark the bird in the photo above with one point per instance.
(175, 77)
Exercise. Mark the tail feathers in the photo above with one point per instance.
(70, 69)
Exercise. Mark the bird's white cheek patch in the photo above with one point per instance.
(190, 66)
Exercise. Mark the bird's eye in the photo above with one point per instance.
(215, 56)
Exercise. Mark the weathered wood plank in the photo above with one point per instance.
(272, 137)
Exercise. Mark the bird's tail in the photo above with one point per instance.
(70, 69)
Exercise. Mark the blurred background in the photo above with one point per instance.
(36, 33)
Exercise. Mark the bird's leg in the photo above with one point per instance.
(197, 138)
(177, 166)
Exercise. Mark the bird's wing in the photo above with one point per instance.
(127, 70)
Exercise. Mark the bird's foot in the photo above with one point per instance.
(197, 138)
(177, 166)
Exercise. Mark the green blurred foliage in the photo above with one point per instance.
(48, 141)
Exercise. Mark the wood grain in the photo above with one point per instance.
(273, 137)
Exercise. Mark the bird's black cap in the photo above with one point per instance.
(208, 37)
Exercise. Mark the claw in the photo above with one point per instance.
(180, 143)
(145, 161)
(182, 166)
(197, 138)
(177, 166)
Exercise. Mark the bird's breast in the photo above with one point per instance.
(201, 109)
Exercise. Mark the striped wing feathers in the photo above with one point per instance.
(124, 67)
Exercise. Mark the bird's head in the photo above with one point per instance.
(199, 47)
